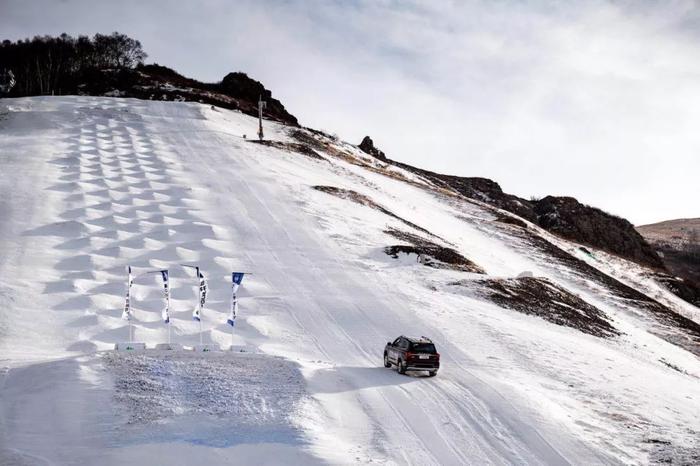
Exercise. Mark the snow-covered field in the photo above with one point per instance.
(90, 185)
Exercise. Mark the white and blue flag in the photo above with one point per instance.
(127, 314)
(197, 313)
(236, 279)
(166, 289)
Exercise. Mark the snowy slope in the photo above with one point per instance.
(89, 185)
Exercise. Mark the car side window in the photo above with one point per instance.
(397, 342)
(404, 344)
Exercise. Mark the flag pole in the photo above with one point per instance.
(198, 312)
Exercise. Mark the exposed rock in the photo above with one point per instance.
(570, 219)
(486, 190)
(367, 145)
(155, 82)
(240, 86)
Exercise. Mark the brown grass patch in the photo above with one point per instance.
(431, 254)
(542, 298)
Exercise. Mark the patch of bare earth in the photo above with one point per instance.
(299, 148)
(430, 253)
(542, 298)
(326, 144)
(361, 199)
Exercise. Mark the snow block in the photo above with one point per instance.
(130, 346)
(206, 348)
(169, 346)
(526, 274)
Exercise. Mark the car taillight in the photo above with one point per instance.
(438, 355)
(409, 355)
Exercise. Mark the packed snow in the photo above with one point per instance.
(90, 185)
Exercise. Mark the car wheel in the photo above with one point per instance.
(387, 363)
(401, 367)
(432, 373)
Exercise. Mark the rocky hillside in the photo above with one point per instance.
(564, 216)
(678, 244)
(236, 91)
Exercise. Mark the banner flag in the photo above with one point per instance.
(236, 279)
(166, 288)
(197, 313)
(127, 303)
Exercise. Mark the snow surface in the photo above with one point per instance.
(89, 185)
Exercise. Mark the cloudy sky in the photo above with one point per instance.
(599, 100)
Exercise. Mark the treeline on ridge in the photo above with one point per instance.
(48, 65)
(113, 65)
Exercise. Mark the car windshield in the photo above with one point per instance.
(423, 348)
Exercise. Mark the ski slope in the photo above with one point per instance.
(89, 185)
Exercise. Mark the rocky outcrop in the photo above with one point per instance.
(245, 89)
(367, 145)
(564, 216)
(569, 218)
(236, 91)
(486, 190)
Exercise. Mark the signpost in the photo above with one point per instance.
(261, 105)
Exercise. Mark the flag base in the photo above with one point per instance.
(169, 346)
(206, 348)
(129, 346)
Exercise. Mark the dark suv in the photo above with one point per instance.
(412, 354)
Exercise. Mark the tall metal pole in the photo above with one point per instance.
(261, 105)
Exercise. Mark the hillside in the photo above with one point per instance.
(678, 244)
(585, 359)
(113, 65)
(561, 215)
